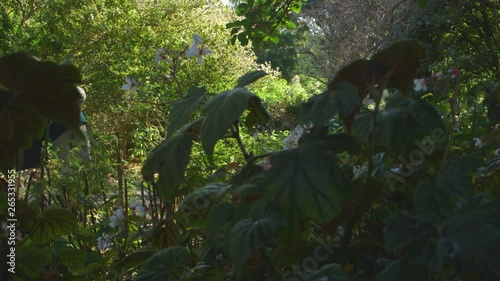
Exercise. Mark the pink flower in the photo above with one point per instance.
(421, 84)
(454, 72)
(196, 51)
(130, 84)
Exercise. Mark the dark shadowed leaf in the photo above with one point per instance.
(307, 183)
(318, 109)
(220, 113)
(407, 268)
(73, 259)
(250, 234)
(169, 160)
(183, 108)
(197, 205)
(164, 265)
(403, 59)
(31, 260)
(51, 224)
(131, 261)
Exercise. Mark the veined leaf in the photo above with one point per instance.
(183, 108)
(220, 113)
(164, 265)
(131, 261)
(53, 223)
(73, 259)
(169, 160)
(197, 205)
(307, 183)
(252, 233)
(31, 260)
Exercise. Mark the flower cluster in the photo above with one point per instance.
(104, 242)
(422, 83)
(130, 84)
(292, 141)
(117, 218)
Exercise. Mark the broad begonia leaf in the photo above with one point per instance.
(51, 224)
(169, 160)
(307, 183)
(220, 114)
(183, 108)
(164, 265)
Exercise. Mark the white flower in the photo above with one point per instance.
(266, 164)
(497, 152)
(104, 242)
(437, 75)
(135, 206)
(130, 84)
(118, 218)
(161, 55)
(420, 84)
(454, 72)
(196, 51)
(477, 142)
(292, 141)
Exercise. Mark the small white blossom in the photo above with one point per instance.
(478, 142)
(497, 152)
(135, 206)
(161, 55)
(292, 141)
(420, 84)
(104, 242)
(454, 72)
(130, 84)
(437, 75)
(117, 218)
(196, 51)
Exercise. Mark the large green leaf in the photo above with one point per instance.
(183, 108)
(258, 114)
(307, 183)
(318, 109)
(403, 59)
(164, 265)
(132, 261)
(481, 208)
(250, 234)
(477, 244)
(73, 259)
(218, 219)
(32, 260)
(412, 234)
(220, 114)
(250, 77)
(453, 182)
(197, 205)
(169, 160)
(52, 223)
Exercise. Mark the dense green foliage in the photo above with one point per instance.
(209, 166)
